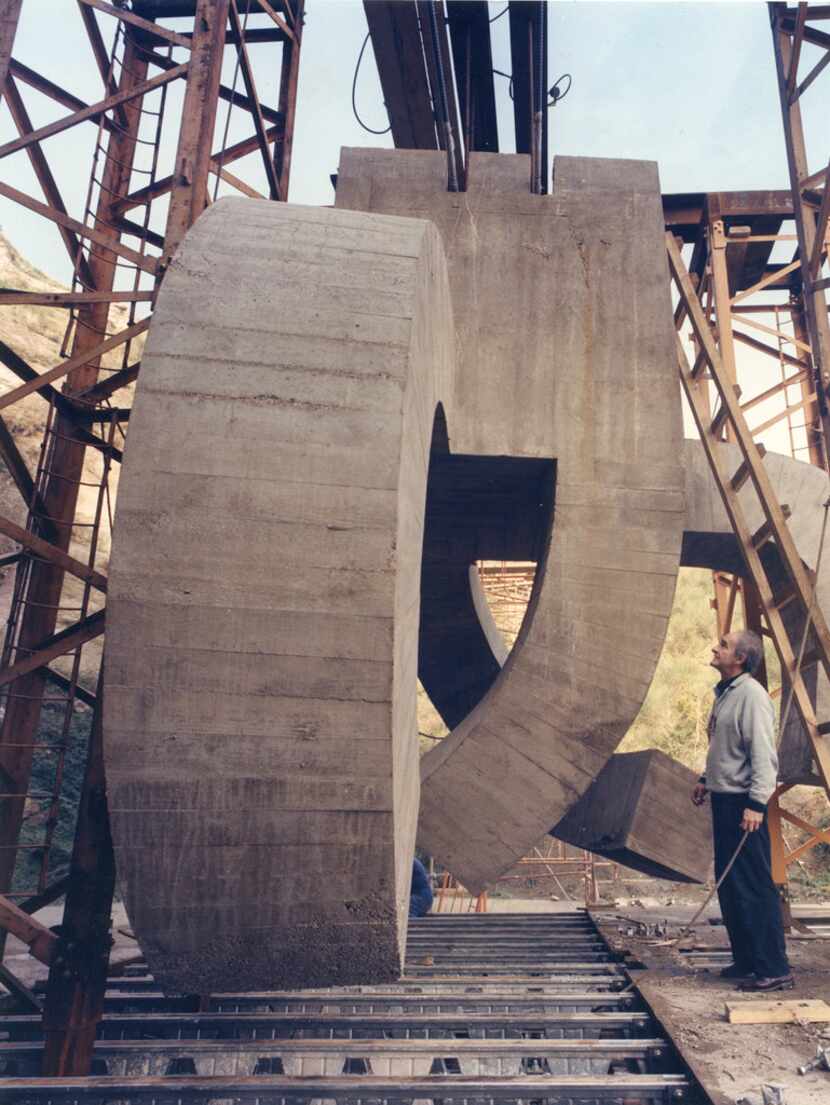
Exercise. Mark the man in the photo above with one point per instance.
(741, 773)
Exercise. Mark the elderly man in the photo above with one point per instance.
(741, 773)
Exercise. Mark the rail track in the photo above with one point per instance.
(492, 1008)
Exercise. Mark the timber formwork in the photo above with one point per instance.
(496, 1007)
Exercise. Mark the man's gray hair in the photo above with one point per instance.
(751, 647)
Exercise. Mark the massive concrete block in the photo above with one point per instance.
(264, 597)
(638, 812)
(565, 354)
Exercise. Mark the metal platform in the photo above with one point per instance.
(490, 1009)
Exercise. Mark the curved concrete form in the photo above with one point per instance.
(562, 357)
(629, 813)
(264, 597)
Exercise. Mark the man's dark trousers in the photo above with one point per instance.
(749, 901)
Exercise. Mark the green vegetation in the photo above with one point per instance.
(43, 777)
(676, 709)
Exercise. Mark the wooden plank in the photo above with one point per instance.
(812, 1010)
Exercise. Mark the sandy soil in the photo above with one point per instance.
(689, 999)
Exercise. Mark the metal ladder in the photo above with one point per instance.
(751, 474)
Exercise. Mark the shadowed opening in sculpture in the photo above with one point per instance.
(478, 508)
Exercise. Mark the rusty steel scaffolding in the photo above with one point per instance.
(154, 168)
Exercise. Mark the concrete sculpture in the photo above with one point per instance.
(561, 357)
(348, 401)
(263, 606)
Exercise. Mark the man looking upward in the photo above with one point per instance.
(741, 773)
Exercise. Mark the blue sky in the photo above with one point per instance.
(690, 85)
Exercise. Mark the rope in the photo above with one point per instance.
(686, 930)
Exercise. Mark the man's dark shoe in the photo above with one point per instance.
(767, 985)
(736, 972)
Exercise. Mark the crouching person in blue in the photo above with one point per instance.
(420, 896)
(741, 774)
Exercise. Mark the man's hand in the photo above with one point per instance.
(699, 794)
(752, 821)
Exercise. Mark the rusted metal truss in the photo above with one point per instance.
(153, 168)
(792, 28)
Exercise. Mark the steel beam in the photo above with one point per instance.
(78, 972)
(815, 301)
(396, 41)
(189, 191)
(469, 23)
(9, 17)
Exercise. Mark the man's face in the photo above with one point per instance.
(725, 659)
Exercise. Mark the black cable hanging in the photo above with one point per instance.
(354, 89)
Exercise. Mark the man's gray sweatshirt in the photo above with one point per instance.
(742, 758)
